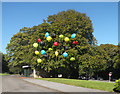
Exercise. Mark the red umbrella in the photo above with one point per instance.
(39, 40)
(56, 43)
(74, 42)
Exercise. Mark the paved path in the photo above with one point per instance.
(15, 84)
(104, 81)
(61, 87)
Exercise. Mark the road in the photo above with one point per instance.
(16, 84)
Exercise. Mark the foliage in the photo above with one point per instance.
(117, 86)
(4, 64)
(18, 52)
(110, 53)
(65, 23)
(92, 64)
(0, 62)
(117, 58)
(89, 58)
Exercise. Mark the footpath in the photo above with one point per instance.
(61, 87)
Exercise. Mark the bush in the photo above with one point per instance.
(117, 86)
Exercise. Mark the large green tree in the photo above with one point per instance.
(20, 51)
(67, 23)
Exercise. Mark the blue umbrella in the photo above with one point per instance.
(42, 52)
(46, 34)
(73, 35)
(65, 54)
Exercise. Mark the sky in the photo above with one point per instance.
(16, 15)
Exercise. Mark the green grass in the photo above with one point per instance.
(3, 74)
(106, 86)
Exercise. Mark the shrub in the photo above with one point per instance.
(117, 86)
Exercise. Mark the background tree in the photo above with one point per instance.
(0, 62)
(4, 64)
(18, 53)
(111, 55)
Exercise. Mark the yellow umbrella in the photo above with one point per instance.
(35, 44)
(56, 53)
(49, 38)
(50, 49)
(72, 59)
(66, 39)
(39, 60)
(37, 52)
(61, 36)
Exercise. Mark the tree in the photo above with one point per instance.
(3, 63)
(117, 57)
(0, 62)
(65, 23)
(110, 53)
(20, 51)
(92, 64)
(71, 21)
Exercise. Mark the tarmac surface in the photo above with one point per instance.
(17, 85)
(12, 83)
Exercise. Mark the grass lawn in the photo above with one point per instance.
(3, 74)
(106, 86)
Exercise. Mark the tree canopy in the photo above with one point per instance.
(3, 64)
(89, 58)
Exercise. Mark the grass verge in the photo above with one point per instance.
(106, 86)
(2, 74)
